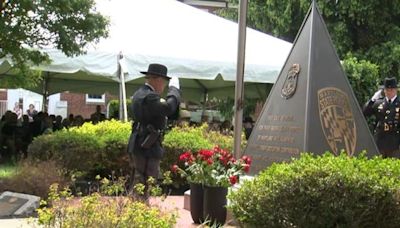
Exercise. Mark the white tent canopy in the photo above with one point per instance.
(193, 43)
(196, 46)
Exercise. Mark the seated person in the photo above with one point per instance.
(97, 116)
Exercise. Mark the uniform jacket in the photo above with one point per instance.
(387, 122)
(150, 109)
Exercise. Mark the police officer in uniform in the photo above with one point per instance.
(386, 107)
(150, 116)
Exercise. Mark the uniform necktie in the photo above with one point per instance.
(390, 101)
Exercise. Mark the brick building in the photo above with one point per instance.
(58, 104)
(85, 104)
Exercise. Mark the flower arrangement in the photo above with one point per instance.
(214, 168)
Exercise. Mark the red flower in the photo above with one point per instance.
(185, 156)
(223, 160)
(174, 168)
(233, 179)
(247, 160)
(209, 161)
(205, 154)
(246, 168)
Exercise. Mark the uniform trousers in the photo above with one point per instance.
(145, 167)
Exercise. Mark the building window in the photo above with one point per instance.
(95, 98)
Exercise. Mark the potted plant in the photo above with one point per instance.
(210, 173)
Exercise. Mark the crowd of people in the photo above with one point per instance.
(18, 128)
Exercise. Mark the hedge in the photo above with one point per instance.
(322, 191)
(91, 149)
(101, 148)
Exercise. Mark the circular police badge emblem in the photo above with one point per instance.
(337, 120)
(290, 84)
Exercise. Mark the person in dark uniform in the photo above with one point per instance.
(386, 107)
(150, 113)
(248, 125)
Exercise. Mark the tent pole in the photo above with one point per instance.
(239, 78)
(122, 91)
(205, 99)
(45, 92)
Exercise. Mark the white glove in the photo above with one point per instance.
(377, 95)
(174, 81)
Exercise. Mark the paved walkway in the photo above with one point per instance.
(170, 203)
(16, 223)
(176, 203)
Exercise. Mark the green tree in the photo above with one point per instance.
(369, 29)
(225, 107)
(27, 26)
(363, 77)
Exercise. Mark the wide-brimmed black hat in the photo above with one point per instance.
(390, 83)
(248, 119)
(157, 70)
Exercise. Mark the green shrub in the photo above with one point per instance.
(114, 109)
(90, 148)
(96, 210)
(322, 191)
(101, 148)
(34, 178)
(78, 152)
(363, 77)
(113, 137)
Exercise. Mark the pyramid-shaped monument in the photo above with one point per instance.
(311, 107)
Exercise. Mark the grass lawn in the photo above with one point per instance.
(7, 170)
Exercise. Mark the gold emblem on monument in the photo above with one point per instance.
(337, 120)
(290, 84)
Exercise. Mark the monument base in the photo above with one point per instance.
(17, 204)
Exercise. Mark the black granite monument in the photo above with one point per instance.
(311, 107)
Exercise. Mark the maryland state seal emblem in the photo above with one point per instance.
(290, 84)
(337, 120)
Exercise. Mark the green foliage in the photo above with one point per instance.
(187, 138)
(28, 25)
(100, 149)
(7, 170)
(96, 210)
(88, 149)
(114, 109)
(322, 191)
(363, 77)
(19, 76)
(369, 29)
(225, 107)
(34, 178)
